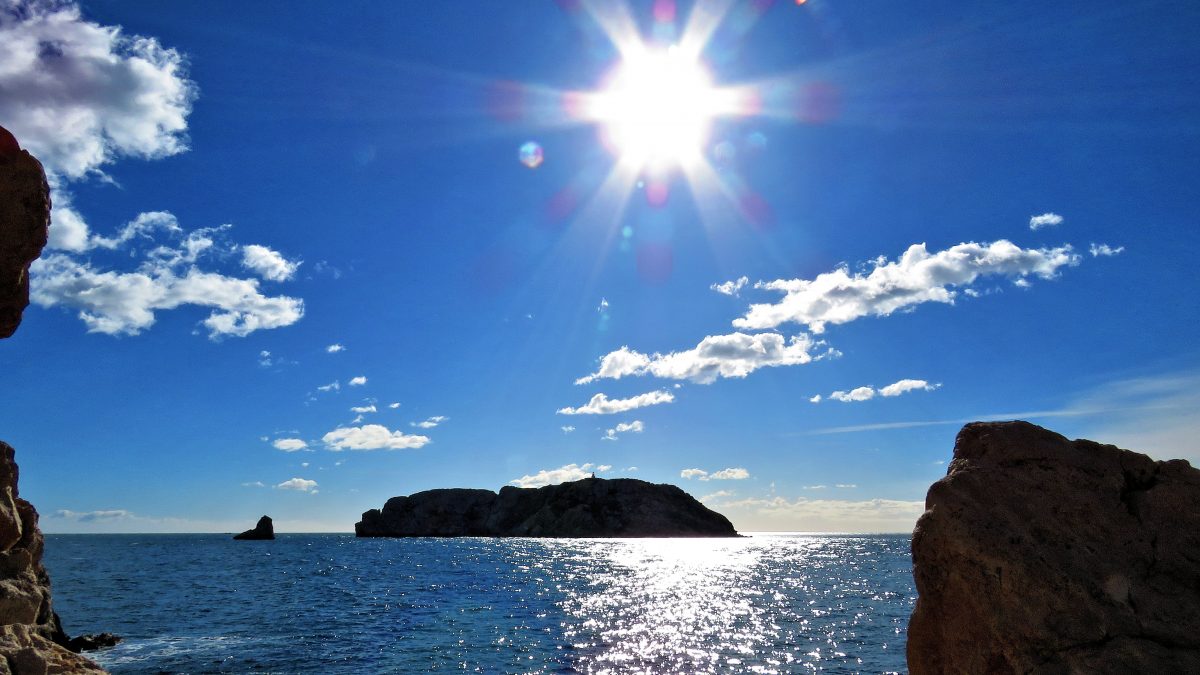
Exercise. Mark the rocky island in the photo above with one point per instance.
(592, 507)
(263, 531)
(1037, 554)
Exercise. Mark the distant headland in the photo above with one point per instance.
(592, 507)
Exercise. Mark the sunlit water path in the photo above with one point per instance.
(335, 604)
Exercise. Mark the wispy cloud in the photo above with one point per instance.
(732, 473)
(372, 437)
(821, 515)
(358, 381)
(1098, 250)
(93, 516)
(429, 422)
(601, 404)
(567, 429)
(735, 355)
(563, 474)
(363, 409)
(332, 386)
(335, 348)
(299, 485)
(634, 427)
(1045, 220)
(731, 287)
(267, 263)
(290, 444)
(917, 277)
(866, 393)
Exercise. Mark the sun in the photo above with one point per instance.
(657, 108)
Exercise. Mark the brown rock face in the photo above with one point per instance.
(1037, 554)
(24, 223)
(31, 639)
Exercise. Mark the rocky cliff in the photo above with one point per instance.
(24, 223)
(32, 641)
(1037, 554)
(592, 507)
(264, 530)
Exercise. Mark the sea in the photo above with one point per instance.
(332, 603)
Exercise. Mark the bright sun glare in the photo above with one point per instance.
(657, 109)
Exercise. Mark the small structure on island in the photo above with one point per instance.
(263, 530)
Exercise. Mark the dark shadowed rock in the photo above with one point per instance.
(24, 223)
(1037, 554)
(93, 641)
(592, 507)
(265, 529)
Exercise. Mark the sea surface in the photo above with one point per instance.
(329, 603)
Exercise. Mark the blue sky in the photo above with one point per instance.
(941, 212)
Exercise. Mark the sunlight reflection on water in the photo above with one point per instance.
(335, 604)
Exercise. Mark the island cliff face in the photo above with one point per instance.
(31, 639)
(264, 530)
(592, 507)
(1037, 554)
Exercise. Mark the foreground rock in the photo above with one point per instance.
(24, 223)
(31, 638)
(93, 641)
(265, 529)
(593, 507)
(1037, 554)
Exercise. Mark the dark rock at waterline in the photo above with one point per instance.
(31, 637)
(592, 507)
(1037, 554)
(93, 641)
(265, 529)
(24, 227)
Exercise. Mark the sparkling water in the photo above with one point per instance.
(768, 603)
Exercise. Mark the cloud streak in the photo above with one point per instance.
(716, 356)
(601, 404)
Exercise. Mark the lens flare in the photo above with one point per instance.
(531, 155)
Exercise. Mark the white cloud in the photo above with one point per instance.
(254, 484)
(1104, 249)
(719, 494)
(905, 386)
(602, 306)
(304, 465)
(731, 287)
(363, 409)
(430, 422)
(393, 406)
(335, 348)
(856, 394)
(816, 398)
(600, 404)
(814, 487)
(358, 381)
(693, 473)
(1045, 220)
(332, 386)
(733, 473)
(124, 303)
(268, 264)
(290, 444)
(822, 515)
(88, 93)
(299, 484)
(92, 516)
(563, 474)
(371, 437)
(567, 429)
(916, 277)
(635, 427)
(845, 486)
(734, 355)
(894, 389)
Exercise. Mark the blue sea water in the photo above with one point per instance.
(768, 603)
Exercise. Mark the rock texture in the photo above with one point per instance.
(31, 638)
(592, 507)
(1037, 554)
(24, 223)
(265, 529)
(93, 641)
